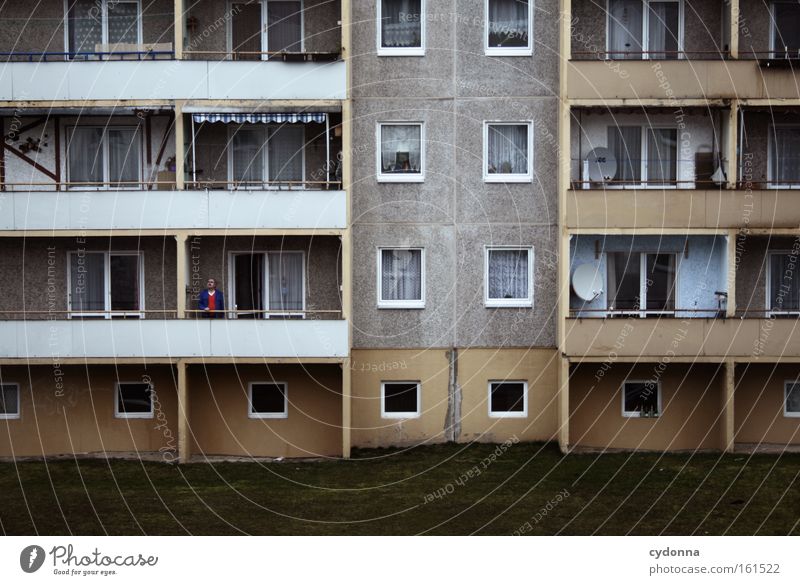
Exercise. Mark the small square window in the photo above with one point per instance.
(134, 400)
(509, 277)
(508, 27)
(791, 403)
(400, 399)
(641, 398)
(401, 278)
(401, 27)
(508, 149)
(401, 151)
(9, 401)
(508, 399)
(268, 400)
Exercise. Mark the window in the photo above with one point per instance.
(508, 149)
(644, 152)
(401, 278)
(104, 157)
(641, 398)
(105, 284)
(509, 277)
(783, 283)
(134, 400)
(400, 399)
(791, 398)
(401, 27)
(9, 401)
(402, 152)
(508, 27)
(258, 29)
(508, 399)
(645, 29)
(271, 155)
(268, 400)
(785, 30)
(641, 282)
(275, 280)
(784, 157)
(102, 22)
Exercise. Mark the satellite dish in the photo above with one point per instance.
(587, 282)
(601, 165)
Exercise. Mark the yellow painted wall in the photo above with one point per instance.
(218, 407)
(81, 419)
(758, 399)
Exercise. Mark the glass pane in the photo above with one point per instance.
(784, 283)
(508, 23)
(286, 154)
(123, 157)
(249, 283)
(85, 26)
(793, 398)
(400, 397)
(284, 26)
(123, 22)
(246, 31)
(508, 397)
(400, 148)
(85, 150)
(625, 18)
(9, 399)
(787, 30)
(508, 274)
(626, 144)
(663, 30)
(401, 275)
(268, 399)
(508, 149)
(641, 397)
(624, 280)
(785, 160)
(134, 398)
(248, 156)
(401, 24)
(662, 156)
(285, 281)
(87, 282)
(124, 283)
(660, 284)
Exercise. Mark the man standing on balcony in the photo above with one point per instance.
(211, 301)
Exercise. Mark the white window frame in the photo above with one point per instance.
(635, 413)
(103, 21)
(267, 314)
(265, 180)
(264, 28)
(773, 32)
(503, 414)
(643, 312)
(117, 396)
(399, 177)
(106, 186)
(107, 314)
(786, 412)
(768, 300)
(507, 177)
(509, 303)
(771, 184)
(507, 51)
(18, 414)
(646, 29)
(284, 414)
(401, 415)
(644, 162)
(399, 51)
(401, 304)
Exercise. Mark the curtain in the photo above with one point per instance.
(508, 23)
(662, 156)
(787, 30)
(508, 274)
(786, 155)
(793, 398)
(400, 148)
(248, 159)
(85, 26)
(401, 23)
(784, 284)
(663, 30)
(87, 282)
(124, 271)
(626, 144)
(508, 149)
(285, 281)
(248, 274)
(401, 275)
(660, 282)
(284, 26)
(123, 155)
(625, 29)
(85, 150)
(123, 22)
(286, 153)
(9, 403)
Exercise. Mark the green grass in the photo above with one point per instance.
(385, 492)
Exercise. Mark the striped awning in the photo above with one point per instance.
(291, 118)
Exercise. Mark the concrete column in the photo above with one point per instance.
(731, 307)
(563, 405)
(178, 29)
(731, 145)
(346, 408)
(184, 441)
(182, 267)
(727, 420)
(180, 147)
(347, 236)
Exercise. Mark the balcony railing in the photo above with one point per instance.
(288, 56)
(43, 57)
(647, 55)
(265, 185)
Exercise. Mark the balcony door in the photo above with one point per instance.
(272, 156)
(268, 285)
(263, 27)
(641, 283)
(646, 156)
(785, 30)
(644, 29)
(105, 284)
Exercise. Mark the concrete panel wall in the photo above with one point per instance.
(752, 270)
(759, 398)
(755, 23)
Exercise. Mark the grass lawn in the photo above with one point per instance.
(395, 492)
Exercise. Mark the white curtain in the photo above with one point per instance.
(87, 282)
(401, 275)
(626, 144)
(625, 29)
(786, 155)
(123, 22)
(663, 30)
(123, 155)
(508, 149)
(784, 283)
(284, 26)
(285, 281)
(508, 274)
(400, 148)
(248, 159)
(508, 23)
(286, 153)
(85, 26)
(662, 156)
(85, 150)
(401, 23)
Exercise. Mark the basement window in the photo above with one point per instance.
(400, 399)
(134, 400)
(9, 401)
(641, 398)
(268, 400)
(508, 399)
(401, 27)
(791, 402)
